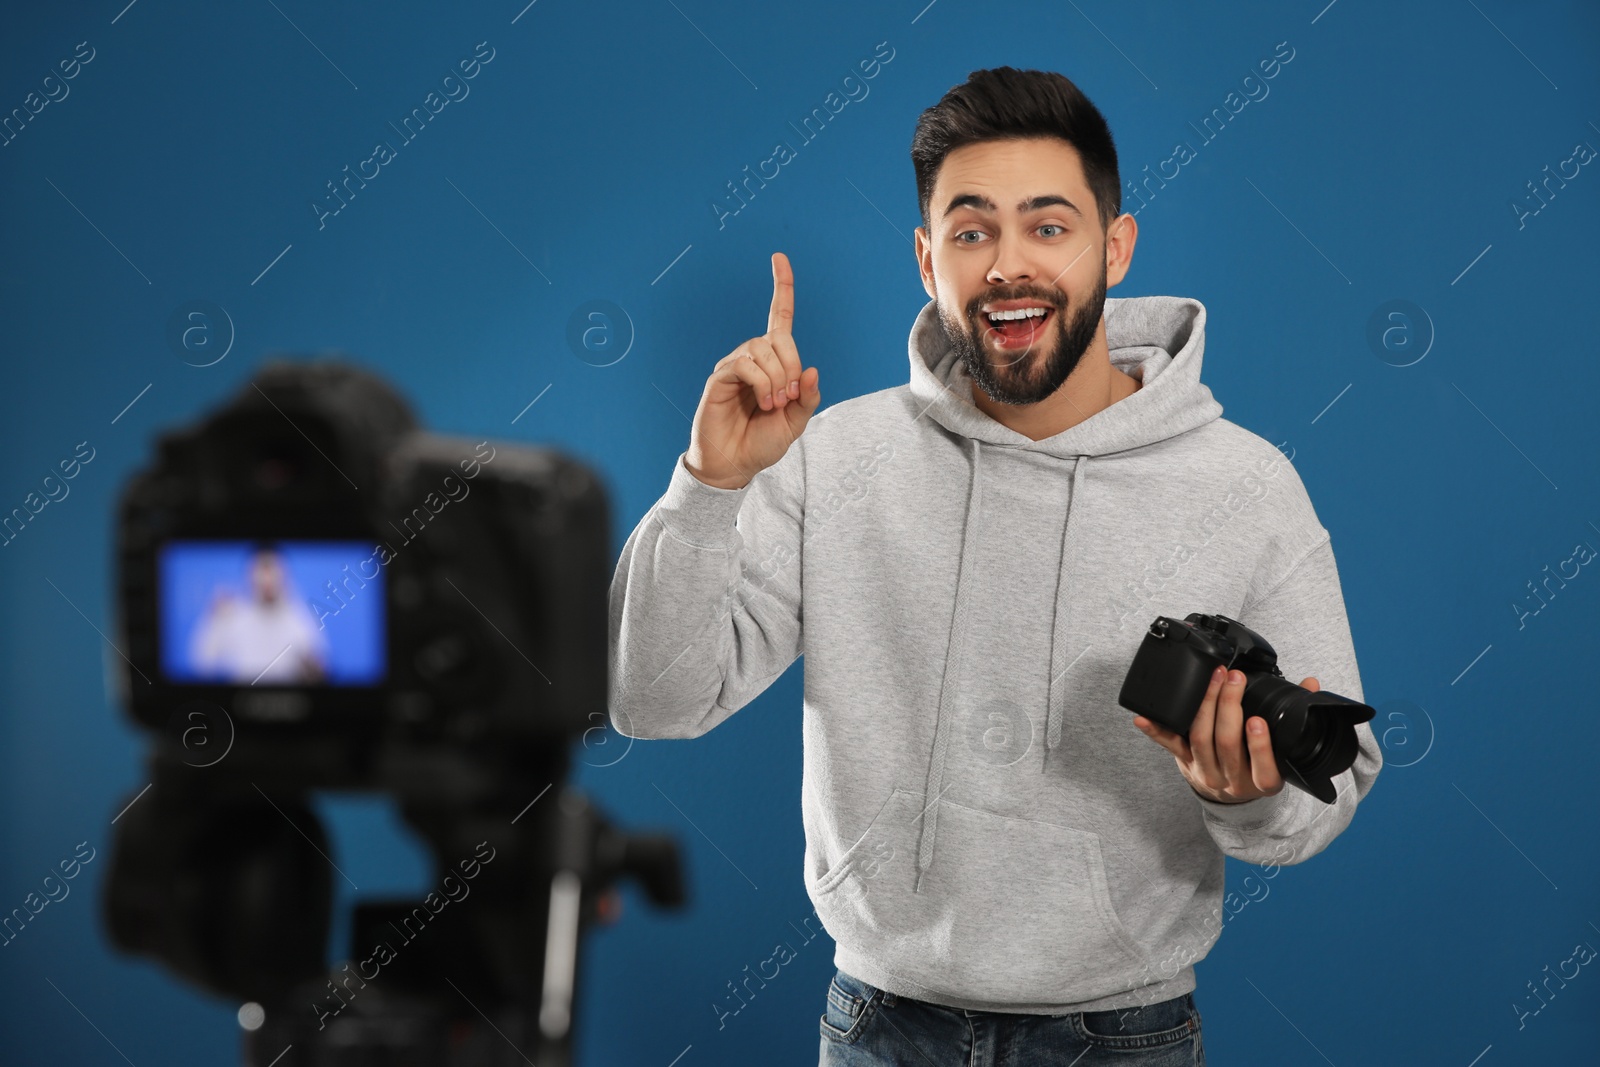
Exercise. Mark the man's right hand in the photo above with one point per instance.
(757, 401)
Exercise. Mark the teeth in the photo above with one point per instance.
(1020, 313)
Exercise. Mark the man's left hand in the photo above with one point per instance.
(1223, 760)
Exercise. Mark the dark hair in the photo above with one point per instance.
(1008, 103)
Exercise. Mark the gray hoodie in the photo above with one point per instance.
(985, 827)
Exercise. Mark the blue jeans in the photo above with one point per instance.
(864, 1026)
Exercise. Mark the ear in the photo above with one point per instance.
(1121, 236)
(925, 260)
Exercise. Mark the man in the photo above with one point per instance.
(272, 637)
(1002, 861)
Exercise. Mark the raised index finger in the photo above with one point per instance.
(781, 317)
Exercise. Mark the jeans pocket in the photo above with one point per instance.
(850, 1004)
(1148, 1026)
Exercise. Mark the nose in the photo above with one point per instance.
(1011, 264)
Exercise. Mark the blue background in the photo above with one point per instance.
(584, 166)
(191, 571)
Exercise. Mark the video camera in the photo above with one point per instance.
(315, 594)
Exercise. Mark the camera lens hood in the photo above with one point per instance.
(1313, 733)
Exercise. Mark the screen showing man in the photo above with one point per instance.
(290, 613)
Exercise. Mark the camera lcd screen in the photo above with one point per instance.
(289, 612)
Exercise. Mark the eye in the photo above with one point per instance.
(966, 233)
(1052, 226)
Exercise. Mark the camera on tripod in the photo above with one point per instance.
(315, 594)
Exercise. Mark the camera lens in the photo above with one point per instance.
(1313, 733)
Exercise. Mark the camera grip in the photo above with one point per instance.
(1167, 682)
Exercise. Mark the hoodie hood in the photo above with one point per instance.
(1159, 340)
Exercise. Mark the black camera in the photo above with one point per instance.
(315, 594)
(352, 590)
(1313, 733)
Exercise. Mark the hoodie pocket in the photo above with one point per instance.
(1011, 911)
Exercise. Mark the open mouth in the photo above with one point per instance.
(1017, 328)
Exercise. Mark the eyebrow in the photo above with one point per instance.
(983, 203)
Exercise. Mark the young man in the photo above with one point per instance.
(269, 636)
(1003, 862)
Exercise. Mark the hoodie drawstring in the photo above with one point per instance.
(966, 581)
(1060, 626)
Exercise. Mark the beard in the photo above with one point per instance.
(1034, 373)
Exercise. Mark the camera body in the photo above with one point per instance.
(1313, 733)
(454, 591)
